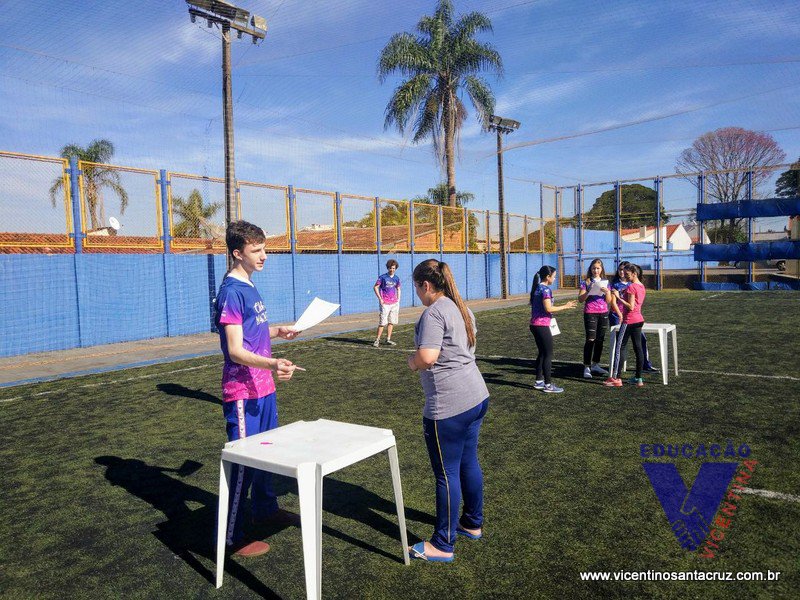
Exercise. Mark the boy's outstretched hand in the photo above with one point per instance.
(284, 369)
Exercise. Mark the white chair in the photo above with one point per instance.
(307, 451)
(662, 329)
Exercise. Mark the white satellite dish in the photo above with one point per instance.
(114, 223)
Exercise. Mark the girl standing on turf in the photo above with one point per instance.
(595, 318)
(619, 283)
(631, 301)
(542, 310)
(456, 400)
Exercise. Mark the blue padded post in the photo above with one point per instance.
(749, 196)
(657, 184)
(701, 200)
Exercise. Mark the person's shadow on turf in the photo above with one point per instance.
(186, 532)
(176, 389)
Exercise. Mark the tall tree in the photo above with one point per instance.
(195, 217)
(441, 62)
(96, 176)
(727, 155)
(638, 209)
(788, 184)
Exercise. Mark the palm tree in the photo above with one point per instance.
(95, 178)
(441, 62)
(194, 217)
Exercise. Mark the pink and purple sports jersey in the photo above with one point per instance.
(637, 292)
(239, 303)
(594, 304)
(388, 288)
(539, 316)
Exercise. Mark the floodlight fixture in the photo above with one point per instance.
(228, 17)
(502, 126)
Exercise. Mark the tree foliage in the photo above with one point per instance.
(194, 216)
(726, 155)
(638, 209)
(788, 184)
(440, 62)
(95, 178)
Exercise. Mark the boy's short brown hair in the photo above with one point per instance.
(240, 233)
(391, 262)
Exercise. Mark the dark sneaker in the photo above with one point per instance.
(650, 368)
(391, 343)
(249, 549)
(637, 381)
(539, 385)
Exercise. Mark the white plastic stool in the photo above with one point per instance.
(662, 329)
(307, 451)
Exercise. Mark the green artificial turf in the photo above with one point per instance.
(109, 482)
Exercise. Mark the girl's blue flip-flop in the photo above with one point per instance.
(467, 534)
(418, 552)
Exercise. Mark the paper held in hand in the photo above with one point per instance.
(596, 285)
(317, 311)
(554, 330)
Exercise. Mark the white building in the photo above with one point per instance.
(676, 235)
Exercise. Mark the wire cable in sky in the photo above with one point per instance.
(638, 121)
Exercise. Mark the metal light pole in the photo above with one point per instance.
(228, 17)
(502, 126)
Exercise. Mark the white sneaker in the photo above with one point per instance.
(587, 374)
(391, 343)
(539, 385)
(598, 370)
(376, 343)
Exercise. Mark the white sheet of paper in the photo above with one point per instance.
(317, 311)
(554, 330)
(596, 285)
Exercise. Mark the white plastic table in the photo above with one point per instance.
(662, 329)
(307, 451)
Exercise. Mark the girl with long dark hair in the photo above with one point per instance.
(542, 310)
(456, 400)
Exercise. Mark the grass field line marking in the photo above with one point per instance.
(21, 397)
(570, 362)
(756, 375)
(11, 399)
(149, 376)
(714, 295)
(770, 494)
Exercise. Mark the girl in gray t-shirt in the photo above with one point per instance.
(456, 400)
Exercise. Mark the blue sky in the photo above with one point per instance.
(309, 109)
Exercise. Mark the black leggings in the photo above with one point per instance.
(544, 343)
(596, 325)
(632, 332)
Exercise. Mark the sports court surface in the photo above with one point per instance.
(110, 480)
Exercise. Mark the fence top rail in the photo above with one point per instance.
(263, 185)
(315, 192)
(119, 168)
(172, 174)
(39, 157)
(357, 197)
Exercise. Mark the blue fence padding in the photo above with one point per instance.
(494, 275)
(122, 297)
(315, 276)
(715, 286)
(39, 303)
(517, 277)
(678, 261)
(748, 252)
(189, 294)
(476, 282)
(359, 273)
(769, 207)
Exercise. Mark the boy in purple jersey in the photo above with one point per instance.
(387, 289)
(248, 388)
